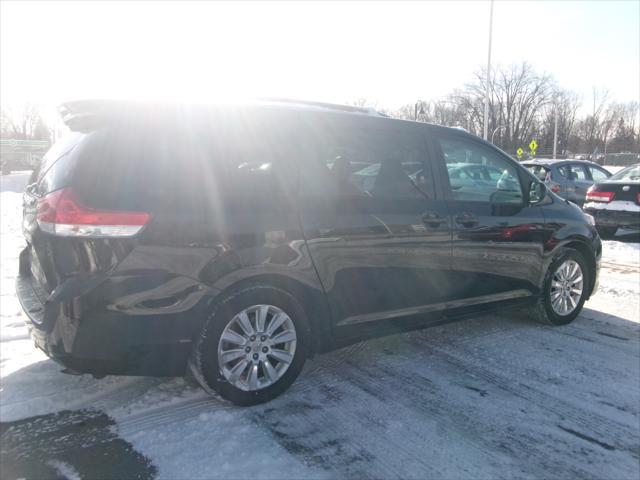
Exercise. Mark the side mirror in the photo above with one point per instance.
(537, 192)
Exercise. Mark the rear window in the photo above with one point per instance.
(629, 174)
(57, 166)
(538, 170)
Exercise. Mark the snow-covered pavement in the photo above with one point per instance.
(493, 397)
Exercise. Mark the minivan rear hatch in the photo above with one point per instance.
(53, 173)
(70, 234)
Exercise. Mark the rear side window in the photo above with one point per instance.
(57, 166)
(119, 168)
(170, 167)
(478, 174)
(597, 174)
(365, 162)
(573, 172)
(579, 172)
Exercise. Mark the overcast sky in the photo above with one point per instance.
(388, 53)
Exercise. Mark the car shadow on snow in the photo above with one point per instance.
(69, 444)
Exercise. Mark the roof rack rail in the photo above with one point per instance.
(327, 105)
(86, 114)
(77, 114)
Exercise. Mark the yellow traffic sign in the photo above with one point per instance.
(519, 152)
(533, 145)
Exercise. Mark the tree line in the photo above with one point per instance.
(24, 123)
(522, 107)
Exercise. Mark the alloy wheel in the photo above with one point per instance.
(566, 287)
(257, 347)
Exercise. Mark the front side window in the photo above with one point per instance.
(573, 172)
(478, 174)
(360, 162)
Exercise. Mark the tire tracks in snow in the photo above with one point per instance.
(166, 414)
(595, 426)
(620, 267)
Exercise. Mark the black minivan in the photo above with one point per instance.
(232, 242)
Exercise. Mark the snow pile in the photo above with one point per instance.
(621, 252)
(620, 277)
(64, 470)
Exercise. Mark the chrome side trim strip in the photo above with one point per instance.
(434, 307)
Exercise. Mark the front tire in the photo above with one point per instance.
(565, 289)
(254, 345)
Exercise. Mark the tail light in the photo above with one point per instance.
(555, 188)
(62, 213)
(638, 198)
(594, 195)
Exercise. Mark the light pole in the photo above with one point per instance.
(488, 80)
(555, 127)
(604, 160)
(500, 127)
(415, 110)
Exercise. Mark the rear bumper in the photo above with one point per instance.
(107, 343)
(614, 218)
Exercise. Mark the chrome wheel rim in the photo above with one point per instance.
(257, 347)
(566, 287)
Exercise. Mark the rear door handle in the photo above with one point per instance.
(467, 219)
(433, 219)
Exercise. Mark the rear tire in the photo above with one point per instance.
(256, 375)
(559, 304)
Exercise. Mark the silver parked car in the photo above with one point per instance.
(570, 179)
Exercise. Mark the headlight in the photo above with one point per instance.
(590, 220)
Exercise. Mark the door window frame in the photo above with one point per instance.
(436, 133)
(590, 167)
(383, 127)
(585, 171)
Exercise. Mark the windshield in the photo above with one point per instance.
(629, 174)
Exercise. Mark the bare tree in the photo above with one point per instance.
(24, 123)
(517, 97)
(590, 129)
(567, 104)
(522, 107)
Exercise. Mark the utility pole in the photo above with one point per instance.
(499, 127)
(555, 128)
(415, 110)
(488, 79)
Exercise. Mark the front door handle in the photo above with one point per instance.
(467, 219)
(433, 219)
